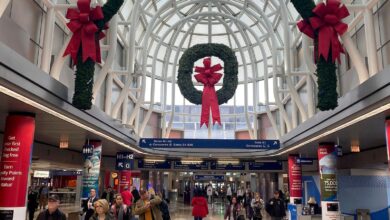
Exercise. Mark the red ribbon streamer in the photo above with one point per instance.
(84, 29)
(327, 23)
(209, 77)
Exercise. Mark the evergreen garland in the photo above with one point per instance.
(186, 66)
(326, 70)
(82, 98)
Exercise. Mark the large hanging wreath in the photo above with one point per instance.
(199, 51)
(323, 23)
(208, 76)
(87, 24)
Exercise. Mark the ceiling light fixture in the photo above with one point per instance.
(151, 160)
(63, 117)
(228, 161)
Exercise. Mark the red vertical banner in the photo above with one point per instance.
(295, 179)
(14, 165)
(125, 180)
(388, 139)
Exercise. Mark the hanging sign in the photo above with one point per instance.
(92, 158)
(124, 161)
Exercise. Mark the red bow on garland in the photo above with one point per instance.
(208, 76)
(84, 29)
(327, 22)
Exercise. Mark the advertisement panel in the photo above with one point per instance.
(92, 158)
(14, 165)
(294, 177)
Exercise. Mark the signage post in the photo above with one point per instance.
(295, 179)
(14, 165)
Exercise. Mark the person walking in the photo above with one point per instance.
(200, 209)
(164, 209)
(108, 195)
(147, 207)
(127, 197)
(257, 205)
(275, 207)
(102, 211)
(234, 211)
(88, 205)
(32, 203)
(135, 194)
(210, 193)
(52, 212)
(229, 194)
(247, 204)
(240, 194)
(120, 210)
(43, 196)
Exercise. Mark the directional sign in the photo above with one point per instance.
(216, 166)
(194, 166)
(209, 143)
(278, 165)
(209, 177)
(154, 165)
(124, 161)
(305, 161)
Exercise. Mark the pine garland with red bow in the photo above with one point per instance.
(86, 24)
(324, 24)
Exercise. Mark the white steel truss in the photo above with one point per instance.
(263, 34)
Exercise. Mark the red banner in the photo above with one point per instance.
(125, 180)
(15, 160)
(294, 176)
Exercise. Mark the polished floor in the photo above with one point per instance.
(178, 210)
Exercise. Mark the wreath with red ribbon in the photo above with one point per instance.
(323, 23)
(208, 75)
(86, 24)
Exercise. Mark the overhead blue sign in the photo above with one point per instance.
(278, 165)
(209, 177)
(195, 166)
(154, 165)
(305, 161)
(124, 161)
(209, 143)
(217, 166)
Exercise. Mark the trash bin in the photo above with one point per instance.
(363, 214)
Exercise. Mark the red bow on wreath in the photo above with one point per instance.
(327, 22)
(84, 29)
(208, 76)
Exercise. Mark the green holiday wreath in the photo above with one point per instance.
(85, 68)
(327, 16)
(186, 66)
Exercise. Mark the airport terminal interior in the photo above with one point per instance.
(194, 109)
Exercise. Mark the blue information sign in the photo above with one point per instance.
(209, 143)
(278, 165)
(124, 161)
(154, 165)
(216, 166)
(209, 177)
(305, 161)
(195, 166)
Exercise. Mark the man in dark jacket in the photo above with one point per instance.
(135, 194)
(52, 211)
(108, 195)
(88, 206)
(32, 203)
(275, 207)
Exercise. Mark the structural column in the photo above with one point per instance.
(295, 179)
(327, 158)
(14, 165)
(92, 153)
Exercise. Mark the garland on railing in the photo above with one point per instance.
(87, 25)
(323, 24)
